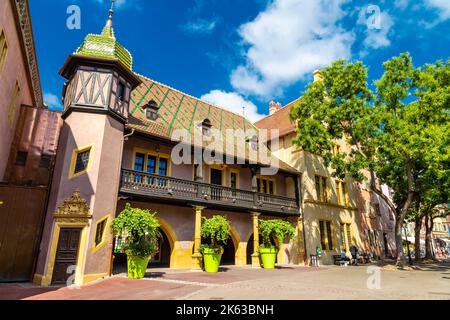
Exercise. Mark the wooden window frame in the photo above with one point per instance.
(346, 235)
(322, 192)
(157, 155)
(342, 193)
(73, 161)
(327, 235)
(267, 179)
(4, 50)
(14, 103)
(236, 172)
(220, 168)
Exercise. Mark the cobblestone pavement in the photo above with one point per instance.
(290, 283)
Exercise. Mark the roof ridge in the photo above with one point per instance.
(195, 98)
(282, 109)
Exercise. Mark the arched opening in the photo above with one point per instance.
(161, 259)
(230, 248)
(250, 250)
(229, 254)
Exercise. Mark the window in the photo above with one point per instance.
(233, 180)
(14, 105)
(153, 164)
(151, 110)
(3, 49)
(266, 185)
(121, 91)
(346, 236)
(253, 143)
(342, 193)
(99, 232)
(46, 161)
(100, 238)
(322, 191)
(82, 161)
(326, 235)
(139, 161)
(206, 127)
(21, 158)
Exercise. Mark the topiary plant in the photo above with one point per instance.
(275, 231)
(139, 231)
(217, 231)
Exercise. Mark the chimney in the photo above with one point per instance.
(274, 107)
(318, 75)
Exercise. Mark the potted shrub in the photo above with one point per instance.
(216, 231)
(273, 233)
(138, 229)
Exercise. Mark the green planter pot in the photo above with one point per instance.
(137, 266)
(268, 257)
(211, 260)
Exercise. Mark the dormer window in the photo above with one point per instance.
(206, 127)
(253, 142)
(151, 110)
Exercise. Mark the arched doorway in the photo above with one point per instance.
(229, 254)
(250, 250)
(161, 259)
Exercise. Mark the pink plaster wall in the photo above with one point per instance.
(14, 69)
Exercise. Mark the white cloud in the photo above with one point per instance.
(201, 26)
(233, 102)
(402, 4)
(287, 42)
(443, 7)
(53, 102)
(379, 38)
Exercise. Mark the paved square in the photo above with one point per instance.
(287, 283)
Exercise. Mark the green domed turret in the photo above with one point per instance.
(105, 45)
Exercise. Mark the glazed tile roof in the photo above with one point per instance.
(177, 110)
(105, 45)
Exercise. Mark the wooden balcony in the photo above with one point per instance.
(143, 185)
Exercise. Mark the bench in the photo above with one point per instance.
(339, 261)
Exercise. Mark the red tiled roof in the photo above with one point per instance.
(279, 120)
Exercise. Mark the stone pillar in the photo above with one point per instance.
(255, 256)
(197, 256)
(302, 259)
(241, 254)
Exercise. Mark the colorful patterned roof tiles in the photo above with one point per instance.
(177, 110)
(105, 45)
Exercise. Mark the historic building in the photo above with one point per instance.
(336, 213)
(28, 140)
(125, 155)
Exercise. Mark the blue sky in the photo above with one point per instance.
(238, 53)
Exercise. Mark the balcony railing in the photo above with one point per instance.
(173, 189)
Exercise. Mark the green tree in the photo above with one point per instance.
(401, 128)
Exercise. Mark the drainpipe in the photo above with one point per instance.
(125, 137)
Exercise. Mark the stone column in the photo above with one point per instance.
(197, 256)
(255, 256)
(302, 259)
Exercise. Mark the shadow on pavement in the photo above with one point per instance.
(19, 291)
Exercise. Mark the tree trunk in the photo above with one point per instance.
(401, 214)
(417, 227)
(428, 228)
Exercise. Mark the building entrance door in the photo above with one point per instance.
(66, 254)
